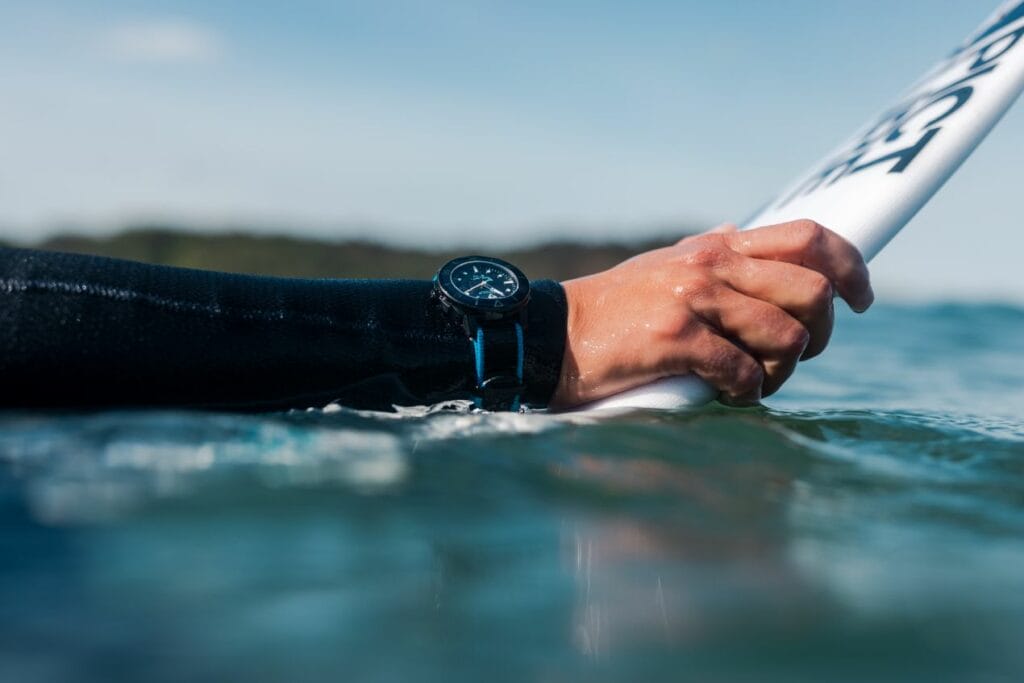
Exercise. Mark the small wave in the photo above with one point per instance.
(93, 468)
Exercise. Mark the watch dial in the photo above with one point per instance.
(484, 280)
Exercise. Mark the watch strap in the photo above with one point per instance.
(498, 355)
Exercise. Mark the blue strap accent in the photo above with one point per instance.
(478, 350)
(519, 355)
(478, 354)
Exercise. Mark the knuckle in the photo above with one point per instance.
(748, 377)
(707, 250)
(695, 285)
(680, 323)
(810, 234)
(807, 225)
(819, 293)
(794, 339)
(704, 255)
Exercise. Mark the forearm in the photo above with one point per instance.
(82, 331)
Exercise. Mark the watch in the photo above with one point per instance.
(488, 298)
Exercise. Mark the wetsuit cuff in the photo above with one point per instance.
(547, 315)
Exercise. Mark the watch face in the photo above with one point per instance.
(484, 280)
(484, 283)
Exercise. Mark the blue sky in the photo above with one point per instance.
(445, 122)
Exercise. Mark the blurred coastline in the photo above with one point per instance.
(289, 256)
(562, 256)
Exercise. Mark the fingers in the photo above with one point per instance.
(805, 243)
(723, 365)
(772, 336)
(738, 309)
(804, 294)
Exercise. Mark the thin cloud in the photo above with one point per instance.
(163, 41)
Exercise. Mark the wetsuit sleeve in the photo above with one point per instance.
(84, 331)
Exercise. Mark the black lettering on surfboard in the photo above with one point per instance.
(959, 98)
(902, 133)
(901, 157)
(1011, 16)
(1003, 45)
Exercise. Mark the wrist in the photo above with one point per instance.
(571, 387)
(602, 353)
(545, 341)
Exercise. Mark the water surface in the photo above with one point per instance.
(867, 524)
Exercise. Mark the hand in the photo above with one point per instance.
(739, 309)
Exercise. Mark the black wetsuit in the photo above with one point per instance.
(85, 331)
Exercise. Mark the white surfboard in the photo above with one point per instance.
(871, 186)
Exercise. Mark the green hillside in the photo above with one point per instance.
(297, 257)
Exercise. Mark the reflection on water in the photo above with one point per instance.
(831, 537)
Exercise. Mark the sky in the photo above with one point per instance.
(451, 122)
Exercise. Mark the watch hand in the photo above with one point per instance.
(475, 286)
(496, 291)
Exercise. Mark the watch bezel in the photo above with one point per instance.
(501, 307)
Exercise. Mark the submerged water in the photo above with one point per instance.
(867, 525)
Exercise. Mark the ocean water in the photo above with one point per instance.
(866, 524)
